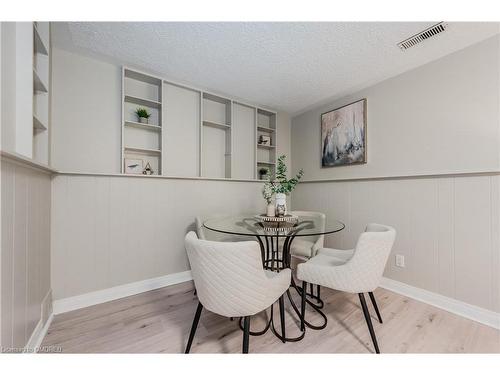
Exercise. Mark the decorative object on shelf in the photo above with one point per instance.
(343, 135)
(281, 224)
(265, 140)
(263, 173)
(289, 218)
(283, 186)
(148, 170)
(280, 204)
(143, 115)
(267, 193)
(133, 166)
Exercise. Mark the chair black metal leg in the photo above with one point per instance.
(193, 327)
(282, 317)
(246, 334)
(303, 307)
(374, 303)
(311, 289)
(318, 288)
(368, 321)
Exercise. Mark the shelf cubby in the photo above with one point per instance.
(142, 101)
(266, 153)
(216, 136)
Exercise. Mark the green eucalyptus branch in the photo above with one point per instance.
(281, 184)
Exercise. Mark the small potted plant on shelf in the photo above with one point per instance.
(263, 173)
(143, 115)
(282, 186)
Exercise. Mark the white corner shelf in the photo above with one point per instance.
(38, 44)
(142, 101)
(38, 84)
(140, 125)
(266, 163)
(38, 125)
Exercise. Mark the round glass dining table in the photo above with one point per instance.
(275, 240)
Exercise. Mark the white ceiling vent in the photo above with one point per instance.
(423, 35)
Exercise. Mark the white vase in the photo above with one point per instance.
(271, 210)
(281, 204)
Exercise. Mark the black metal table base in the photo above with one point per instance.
(275, 260)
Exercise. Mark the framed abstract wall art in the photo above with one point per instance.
(343, 135)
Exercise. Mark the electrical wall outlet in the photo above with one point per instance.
(400, 260)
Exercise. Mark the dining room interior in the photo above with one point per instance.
(250, 187)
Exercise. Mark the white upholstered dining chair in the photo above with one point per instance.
(306, 247)
(355, 271)
(303, 248)
(231, 281)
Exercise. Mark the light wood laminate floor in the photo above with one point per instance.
(160, 320)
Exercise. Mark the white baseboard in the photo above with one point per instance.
(41, 329)
(478, 314)
(106, 295)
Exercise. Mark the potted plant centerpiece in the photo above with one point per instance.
(282, 186)
(143, 115)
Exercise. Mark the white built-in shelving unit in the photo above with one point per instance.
(139, 140)
(41, 91)
(266, 153)
(193, 132)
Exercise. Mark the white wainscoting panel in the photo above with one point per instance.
(25, 252)
(113, 230)
(447, 229)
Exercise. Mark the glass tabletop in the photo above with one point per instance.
(254, 225)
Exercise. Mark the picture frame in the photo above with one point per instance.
(134, 166)
(265, 140)
(343, 135)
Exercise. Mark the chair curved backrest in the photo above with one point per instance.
(370, 256)
(228, 276)
(211, 235)
(206, 234)
(319, 241)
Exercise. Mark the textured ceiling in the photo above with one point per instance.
(286, 66)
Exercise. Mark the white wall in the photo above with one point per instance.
(440, 118)
(448, 229)
(108, 231)
(86, 114)
(25, 254)
(86, 118)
